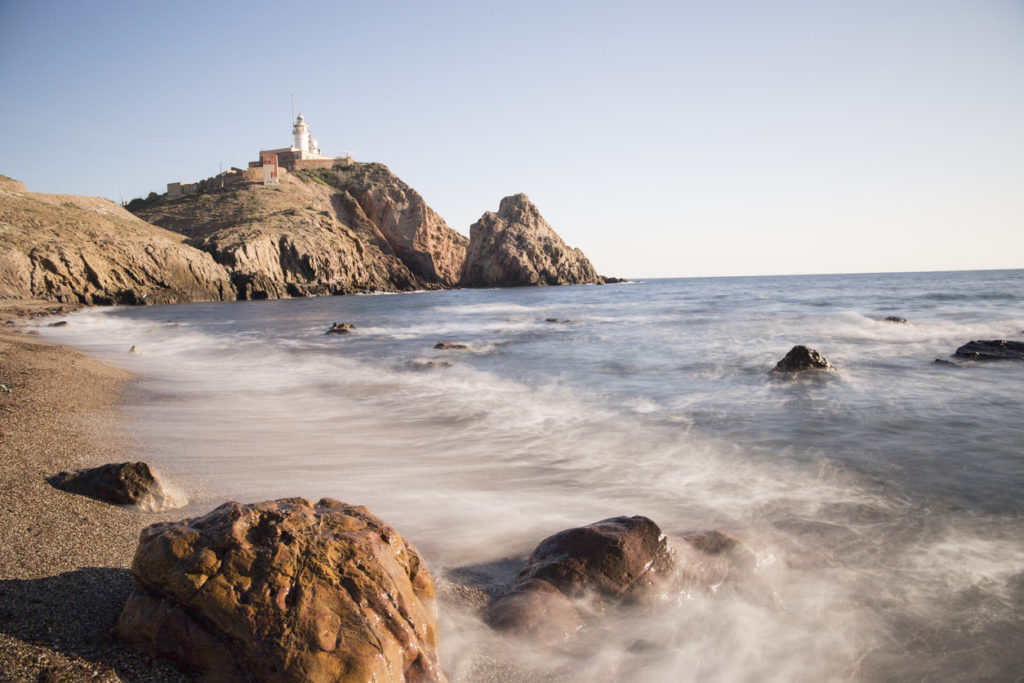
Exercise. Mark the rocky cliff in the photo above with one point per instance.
(90, 250)
(327, 231)
(516, 246)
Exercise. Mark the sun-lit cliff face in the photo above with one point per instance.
(90, 250)
(338, 230)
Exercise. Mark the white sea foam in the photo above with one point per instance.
(831, 482)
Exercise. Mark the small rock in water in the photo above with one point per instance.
(563, 321)
(340, 328)
(430, 364)
(59, 323)
(894, 319)
(134, 349)
(992, 349)
(802, 358)
(451, 346)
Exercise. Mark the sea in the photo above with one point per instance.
(882, 502)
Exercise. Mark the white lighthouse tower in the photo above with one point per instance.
(308, 147)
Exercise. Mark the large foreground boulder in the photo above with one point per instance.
(284, 591)
(992, 349)
(802, 358)
(516, 247)
(576, 575)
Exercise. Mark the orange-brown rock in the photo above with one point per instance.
(516, 246)
(90, 250)
(284, 591)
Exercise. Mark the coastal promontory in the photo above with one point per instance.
(349, 228)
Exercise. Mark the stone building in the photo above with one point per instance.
(303, 154)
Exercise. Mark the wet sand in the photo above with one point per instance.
(64, 558)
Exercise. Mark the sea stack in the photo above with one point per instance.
(517, 247)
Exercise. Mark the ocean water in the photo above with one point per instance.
(883, 502)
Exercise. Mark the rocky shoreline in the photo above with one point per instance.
(64, 558)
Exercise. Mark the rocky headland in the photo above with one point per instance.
(351, 228)
(354, 227)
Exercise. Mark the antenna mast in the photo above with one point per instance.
(293, 108)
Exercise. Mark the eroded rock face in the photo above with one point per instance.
(802, 358)
(420, 238)
(516, 246)
(352, 228)
(284, 591)
(90, 250)
(992, 349)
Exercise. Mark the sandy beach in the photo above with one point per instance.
(64, 558)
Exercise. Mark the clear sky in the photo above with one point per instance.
(662, 138)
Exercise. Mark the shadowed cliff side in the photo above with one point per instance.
(90, 250)
(327, 231)
(516, 246)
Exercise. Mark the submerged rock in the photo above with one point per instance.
(340, 328)
(802, 358)
(993, 349)
(126, 483)
(284, 591)
(451, 346)
(894, 319)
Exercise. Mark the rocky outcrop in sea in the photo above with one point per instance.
(516, 247)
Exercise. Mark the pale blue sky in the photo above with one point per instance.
(662, 138)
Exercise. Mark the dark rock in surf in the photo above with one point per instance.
(894, 319)
(560, 321)
(340, 328)
(286, 591)
(993, 349)
(126, 483)
(450, 346)
(59, 323)
(622, 559)
(802, 358)
(578, 574)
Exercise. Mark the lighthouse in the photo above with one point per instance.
(302, 154)
(304, 141)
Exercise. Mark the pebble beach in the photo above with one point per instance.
(64, 558)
